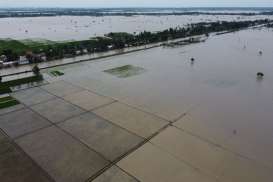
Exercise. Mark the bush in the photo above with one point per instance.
(36, 70)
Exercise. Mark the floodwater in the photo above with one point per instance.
(63, 28)
(224, 101)
(86, 57)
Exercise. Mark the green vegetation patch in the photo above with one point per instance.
(16, 46)
(5, 86)
(37, 42)
(125, 71)
(4, 89)
(8, 101)
(56, 73)
(4, 99)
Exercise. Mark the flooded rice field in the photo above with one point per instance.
(224, 101)
(62, 28)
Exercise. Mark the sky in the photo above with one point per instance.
(136, 3)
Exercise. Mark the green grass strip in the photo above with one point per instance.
(5, 99)
(8, 104)
(57, 73)
(21, 81)
(5, 86)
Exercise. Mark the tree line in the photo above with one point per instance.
(58, 50)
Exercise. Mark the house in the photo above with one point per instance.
(85, 51)
(8, 64)
(78, 52)
(110, 47)
(41, 57)
(23, 60)
(35, 58)
(3, 58)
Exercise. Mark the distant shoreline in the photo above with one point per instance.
(52, 12)
(91, 14)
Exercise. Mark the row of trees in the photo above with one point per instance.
(121, 40)
(270, 25)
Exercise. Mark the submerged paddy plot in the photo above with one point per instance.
(56, 73)
(125, 71)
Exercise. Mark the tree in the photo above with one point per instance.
(10, 54)
(36, 70)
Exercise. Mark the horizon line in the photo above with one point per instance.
(121, 7)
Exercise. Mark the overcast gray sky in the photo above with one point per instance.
(136, 3)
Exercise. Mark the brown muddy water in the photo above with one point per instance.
(224, 101)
